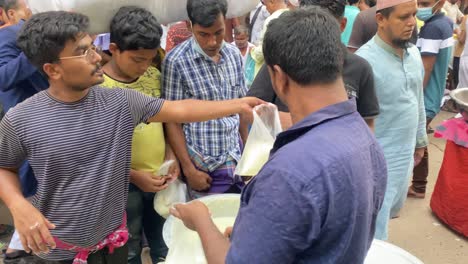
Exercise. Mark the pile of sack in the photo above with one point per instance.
(101, 12)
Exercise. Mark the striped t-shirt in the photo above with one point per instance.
(80, 154)
(435, 39)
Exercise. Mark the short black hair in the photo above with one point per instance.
(306, 45)
(8, 4)
(134, 28)
(43, 37)
(353, 2)
(205, 12)
(386, 12)
(336, 7)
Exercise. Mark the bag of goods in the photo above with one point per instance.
(262, 136)
(175, 193)
(101, 12)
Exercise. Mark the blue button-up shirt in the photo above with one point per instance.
(19, 80)
(187, 74)
(317, 198)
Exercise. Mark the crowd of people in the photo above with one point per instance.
(87, 121)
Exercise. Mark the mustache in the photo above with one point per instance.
(98, 68)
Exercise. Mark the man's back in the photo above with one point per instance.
(321, 207)
(18, 78)
(357, 76)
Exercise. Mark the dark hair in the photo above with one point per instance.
(353, 2)
(134, 28)
(306, 44)
(241, 29)
(386, 12)
(336, 7)
(43, 37)
(8, 4)
(205, 12)
(370, 3)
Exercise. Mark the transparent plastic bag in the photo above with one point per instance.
(266, 126)
(175, 193)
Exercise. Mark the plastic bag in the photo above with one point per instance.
(175, 193)
(262, 136)
(101, 12)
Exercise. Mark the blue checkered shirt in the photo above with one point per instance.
(189, 75)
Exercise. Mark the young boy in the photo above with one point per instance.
(135, 38)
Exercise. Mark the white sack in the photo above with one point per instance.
(101, 12)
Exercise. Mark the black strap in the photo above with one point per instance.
(252, 22)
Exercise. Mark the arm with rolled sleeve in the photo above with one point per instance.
(279, 221)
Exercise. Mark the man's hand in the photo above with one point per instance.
(418, 155)
(174, 172)
(191, 213)
(148, 182)
(198, 180)
(33, 228)
(248, 103)
(228, 232)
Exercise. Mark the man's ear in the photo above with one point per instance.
(279, 80)
(113, 49)
(379, 18)
(343, 23)
(189, 25)
(10, 13)
(52, 70)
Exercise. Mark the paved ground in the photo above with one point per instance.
(417, 230)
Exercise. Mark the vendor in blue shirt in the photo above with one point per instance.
(317, 198)
(19, 79)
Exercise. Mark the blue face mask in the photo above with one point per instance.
(198, 49)
(425, 13)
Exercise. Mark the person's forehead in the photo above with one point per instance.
(405, 7)
(241, 35)
(217, 25)
(82, 40)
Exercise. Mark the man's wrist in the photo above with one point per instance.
(187, 169)
(16, 204)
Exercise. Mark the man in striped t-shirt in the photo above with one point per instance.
(77, 138)
(435, 43)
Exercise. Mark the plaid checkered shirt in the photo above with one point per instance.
(187, 74)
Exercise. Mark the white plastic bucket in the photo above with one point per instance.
(385, 253)
(227, 205)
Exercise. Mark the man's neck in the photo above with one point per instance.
(280, 7)
(112, 70)
(66, 94)
(398, 50)
(310, 99)
(243, 50)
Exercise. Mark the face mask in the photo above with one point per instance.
(425, 13)
(197, 47)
